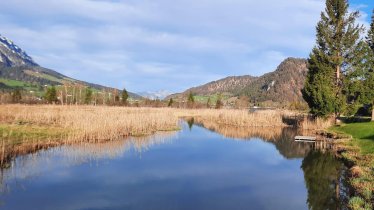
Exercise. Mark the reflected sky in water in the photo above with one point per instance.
(192, 169)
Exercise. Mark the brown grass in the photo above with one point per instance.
(240, 118)
(90, 123)
(308, 123)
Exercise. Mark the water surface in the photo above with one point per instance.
(196, 168)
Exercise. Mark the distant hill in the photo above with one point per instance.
(280, 86)
(17, 65)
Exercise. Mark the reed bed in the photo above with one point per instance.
(308, 123)
(240, 118)
(87, 123)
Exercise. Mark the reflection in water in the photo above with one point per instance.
(190, 122)
(322, 178)
(282, 138)
(28, 166)
(191, 169)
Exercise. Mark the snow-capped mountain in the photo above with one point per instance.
(11, 55)
(16, 64)
(161, 94)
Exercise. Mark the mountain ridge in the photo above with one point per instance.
(280, 86)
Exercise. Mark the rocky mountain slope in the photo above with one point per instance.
(16, 64)
(280, 86)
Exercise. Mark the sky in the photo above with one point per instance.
(148, 45)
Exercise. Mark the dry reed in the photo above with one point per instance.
(240, 118)
(87, 123)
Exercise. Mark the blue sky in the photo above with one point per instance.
(147, 45)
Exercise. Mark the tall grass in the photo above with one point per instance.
(240, 118)
(89, 123)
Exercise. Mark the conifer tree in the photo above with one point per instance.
(190, 100)
(369, 82)
(51, 95)
(16, 96)
(208, 103)
(170, 104)
(219, 103)
(88, 96)
(124, 96)
(334, 56)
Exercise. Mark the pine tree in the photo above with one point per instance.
(334, 57)
(208, 103)
(88, 96)
(170, 104)
(124, 96)
(370, 37)
(190, 100)
(369, 82)
(16, 96)
(51, 95)
(219, 103)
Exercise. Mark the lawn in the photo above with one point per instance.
(362, 133)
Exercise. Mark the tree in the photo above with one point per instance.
(219, 103)
(369, 82)
(337, 51)
(16, 96)
(208, 103)
(51, 95)
(190, 100)
(170, 104)
(88, 96)
(124, 96)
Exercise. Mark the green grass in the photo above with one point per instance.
(45, 76)
(13, 83)
(213, 98)
(362, 133)
(18, 133)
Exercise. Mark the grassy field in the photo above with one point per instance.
(362, 133)
(360, 155)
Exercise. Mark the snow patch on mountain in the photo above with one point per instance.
(161, 94)
(12, 55)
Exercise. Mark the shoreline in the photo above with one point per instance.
(360, 169)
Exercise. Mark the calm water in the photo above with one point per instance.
(195, 168)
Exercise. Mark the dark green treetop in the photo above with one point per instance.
(51, 95)
(124, 96)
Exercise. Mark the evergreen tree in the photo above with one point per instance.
(335, 56)
(190, 100)
(51, 95)
(16, 96)
(370, 37)
(208, 103)
(124, 96)
(170, 104)
(369, 82)
(219, 103)
(88, 96)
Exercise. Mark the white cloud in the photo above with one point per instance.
(161, 44)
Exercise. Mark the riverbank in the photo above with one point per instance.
(357, 150)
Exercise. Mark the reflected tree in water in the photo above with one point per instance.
(321, 173)
(190, 122)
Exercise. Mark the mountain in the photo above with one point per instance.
(280, 86)
(17, 67)
(161, 94)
